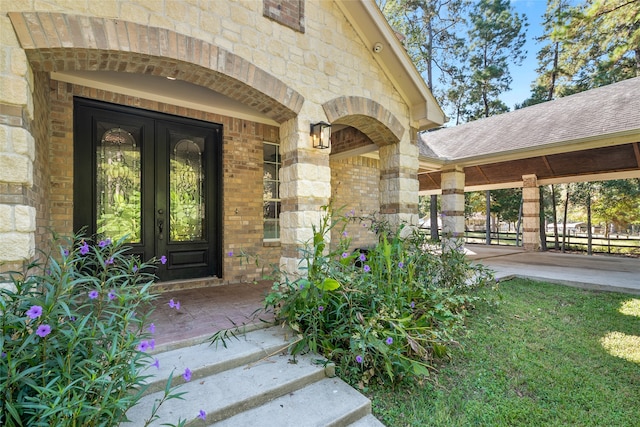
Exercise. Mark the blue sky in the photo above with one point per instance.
(525, 74)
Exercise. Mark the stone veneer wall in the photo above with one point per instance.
(354, 183)
(242, 173)
(288, 74)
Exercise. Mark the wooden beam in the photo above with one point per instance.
(546, 163)
(483, 174)
(636, 150)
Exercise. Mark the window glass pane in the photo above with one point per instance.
(270, 153)
(118, 181)
(186, 183)
(271, 193)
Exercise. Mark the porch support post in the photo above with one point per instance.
(305, 186)
(531, 213)
(17, 154)
(452, 185)
(399, 181)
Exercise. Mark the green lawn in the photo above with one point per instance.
(547, 355)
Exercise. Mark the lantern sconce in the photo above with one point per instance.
(320, 134)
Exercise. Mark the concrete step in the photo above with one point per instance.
(253, 381)
(206, 359)
(329, 402)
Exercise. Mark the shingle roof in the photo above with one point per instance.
(607, 110)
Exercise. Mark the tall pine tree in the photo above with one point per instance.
(496, 40)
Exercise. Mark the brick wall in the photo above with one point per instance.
(286, 12)
(354, 183)
(242, 173)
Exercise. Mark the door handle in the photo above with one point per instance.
(160, 228)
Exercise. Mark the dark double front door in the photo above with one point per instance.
(153, 179)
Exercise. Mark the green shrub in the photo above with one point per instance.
(386, 312)
(73, 337)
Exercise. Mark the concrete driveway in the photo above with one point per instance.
(597, 272)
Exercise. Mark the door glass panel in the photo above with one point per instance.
(186, 185)
(118, 183)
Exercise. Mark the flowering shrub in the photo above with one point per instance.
(73, 338)
(385, 312)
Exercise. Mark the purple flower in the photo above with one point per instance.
(3, 355)
(301, 286)
(143, 346)
(345, 255)
(152, 344)
(93, 294)
(112, 295)
(363, 257)
(172, 304)
(109, 261)
(230, 253)
(401, 264)
(43, 331)
(156, 363)
(34, 312)
(135, 268)
(163, 259)
(389, 341)
(367, 269)
(202, 415)
(359, 359)
(84, 249)
(104, 243)
(352, 212)
(345, 234)
(413, 304)
(320, 308)
(64, 252)
(152, 328)
(187, 374)
(178, 305)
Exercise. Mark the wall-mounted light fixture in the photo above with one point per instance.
(320, 134)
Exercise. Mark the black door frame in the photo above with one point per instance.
(152, 124)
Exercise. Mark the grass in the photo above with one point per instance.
(546, 355)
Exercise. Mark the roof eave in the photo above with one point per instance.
(598, 141)
(373, 28)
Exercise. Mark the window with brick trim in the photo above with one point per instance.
(286, 12)
(271, 194)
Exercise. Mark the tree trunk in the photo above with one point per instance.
(518, 224)
(589, 235)
(555, 217)
(564, 221)
(543, 225)
(487, 196)
(433, 210)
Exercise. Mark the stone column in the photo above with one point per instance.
(17, 153)
(399, 181)
(531, 213)
(452, 185)
(305, 187)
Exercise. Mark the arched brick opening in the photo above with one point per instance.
(63, 42)
(366, 115)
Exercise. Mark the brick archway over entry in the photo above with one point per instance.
(366, 115)
(63, 42)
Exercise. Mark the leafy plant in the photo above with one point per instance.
(74, 337)
(384, 312)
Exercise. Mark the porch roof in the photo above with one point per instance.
(590, 133)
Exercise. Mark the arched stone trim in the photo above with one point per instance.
(367, 116)
(63, 42)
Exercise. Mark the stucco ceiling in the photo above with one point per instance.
(156, 88)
